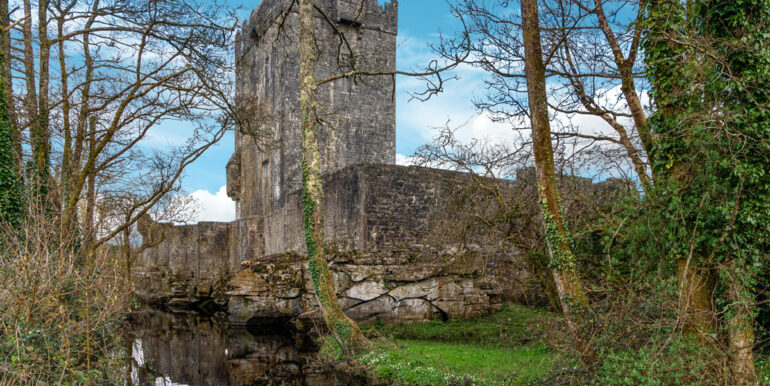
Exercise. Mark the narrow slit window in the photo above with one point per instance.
(266, 170)
(265, 188)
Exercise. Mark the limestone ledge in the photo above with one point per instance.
(392, 294)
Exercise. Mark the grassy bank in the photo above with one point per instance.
(516, 346)
(504, 348)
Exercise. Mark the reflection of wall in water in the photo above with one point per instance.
(192, 350)
(183, 348)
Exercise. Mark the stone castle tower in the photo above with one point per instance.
(358, 115)
(390, 229)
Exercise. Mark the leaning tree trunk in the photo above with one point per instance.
(344, 330)
(572, 298)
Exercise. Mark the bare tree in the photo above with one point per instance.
(572, 297)
(345, 330)
(590, 58)
(101, 78)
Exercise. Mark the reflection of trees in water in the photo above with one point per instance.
(191, 349)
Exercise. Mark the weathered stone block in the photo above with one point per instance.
(366, 290)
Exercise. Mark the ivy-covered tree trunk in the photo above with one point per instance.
(709, 67)
(345, 331)
(5, 46)
(666, 62)
(10, 183)
(572, 298)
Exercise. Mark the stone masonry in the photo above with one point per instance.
(380, 218)
(359, 116)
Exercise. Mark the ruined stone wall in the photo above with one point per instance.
(343, 216)
(397, 254)
(186, 264)
(369, 208)
(358, 114)
(377, 222)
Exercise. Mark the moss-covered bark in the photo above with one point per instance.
(572, 298)
(740, 326)
(345, 331)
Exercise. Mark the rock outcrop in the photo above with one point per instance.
(279, 286)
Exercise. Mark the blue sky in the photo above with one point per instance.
(420, 23)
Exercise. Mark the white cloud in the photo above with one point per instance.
(404, 160)
(417, 120)
(214, 207)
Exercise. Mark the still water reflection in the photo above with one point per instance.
(194, 349)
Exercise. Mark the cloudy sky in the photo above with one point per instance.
(420, 23)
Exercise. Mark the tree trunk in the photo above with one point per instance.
(42, 137)
(5, 46)
(29, 69)
(90, 230)
(10, 183)
(740, 328)
(127, 254)
(572, 298)
(695, 299)
(693, 274)
(344, 330)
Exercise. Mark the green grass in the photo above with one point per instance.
(500, 349)
(514, 325)
(418, 362)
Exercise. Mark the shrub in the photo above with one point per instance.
(60, 308)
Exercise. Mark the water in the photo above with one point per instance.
(189, 348)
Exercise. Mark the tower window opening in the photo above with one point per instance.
(265, 186)
(347, 85)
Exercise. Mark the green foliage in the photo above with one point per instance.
(635, 325)
(308, 209)
(709, 68)
(724, 121)
(60, 319)
(561, 243)
(763, 369)
(38, 353)
(673, 363)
